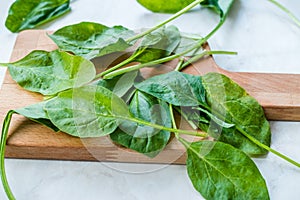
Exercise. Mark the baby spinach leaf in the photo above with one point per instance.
(119, 85)
(187, 41)
(88, 111)
(157, 44)
(221, 7)
(90, 39)
(176, 88)
(27, 14)
(51, 72)
(144, 139)
(220, 171)
(37, 113)
(218, 121)
(228, 99)
(166, 6)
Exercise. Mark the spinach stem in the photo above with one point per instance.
(121, 64)
(176, 131)
(258, 143)
(288, 12)
(191, 123)
(166, 59)
(4, 134)
(204, 53)
(163, 60)
(173, 119)
(176, 15)
(172, 116)
(268, 148)
(185, 143)
(180, 63)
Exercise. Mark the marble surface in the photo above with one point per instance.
(267, 41)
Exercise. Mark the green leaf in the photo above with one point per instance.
(51, 72)
(119, 85)
(176, 88)
(37, 113)
(141, 138)
(220, 171)
(221, 7)
(156, 45)
(218, 121)
(187, 42)
(27, 14)
(230, 102)
(88, 111)
(91, 40)
(166, 6)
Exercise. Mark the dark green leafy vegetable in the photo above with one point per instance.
(27, 14)
(166, 6)
(220, 171)
(187, 41)
(51, 72)
(89, 111)
(213, 102)
(141, 138)
(37, 113)
(158, 44)
(90, 39)
(228, 99)
(176, 88)
(171, 6)
(221, 7)
(119, 85)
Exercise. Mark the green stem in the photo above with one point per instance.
(173, 119)
(179, 13)
(185, 143)
(163, 60)
(221, 22)
(255, 141)
(139, 66)
(178, 131)
(166, 59)
(204, 53)
(180, 63)
(284, 9)
(191, 123)
(258, 143)
(121, 64)
(5, 128)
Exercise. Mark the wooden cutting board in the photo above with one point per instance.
(279, 94)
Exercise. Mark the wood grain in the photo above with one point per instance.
(279, 94)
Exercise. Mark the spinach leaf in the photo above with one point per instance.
(37, 113)
(90, 39)
(26, 14)
(166, 6)
(187, 41)
(221, 7)
(119, 85)
(51, 72)
(88, 111)
(158, 44)
(220, 171)
(144, 139)
(228, 99)
(218, 121)
(176, 88)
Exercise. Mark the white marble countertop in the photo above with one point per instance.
(266, 40)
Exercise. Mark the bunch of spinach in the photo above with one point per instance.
(138, 113)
